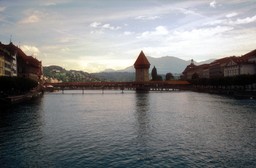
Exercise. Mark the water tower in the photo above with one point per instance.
(141, 66)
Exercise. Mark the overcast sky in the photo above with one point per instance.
(93, 35)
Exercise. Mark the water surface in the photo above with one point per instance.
(155, 129)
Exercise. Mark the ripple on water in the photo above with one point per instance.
(157, 129)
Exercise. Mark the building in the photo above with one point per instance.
(17, 63)
(141, 66)
(29, 67)
(244, 65)
(239, 68)
(232, 68)
(8, 66)
(224, 67)
(189, 71)
(216, 68)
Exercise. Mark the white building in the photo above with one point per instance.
(238, 66)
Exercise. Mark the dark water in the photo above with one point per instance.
(168, 129)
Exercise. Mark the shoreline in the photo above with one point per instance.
(238, 94)
(17, 99)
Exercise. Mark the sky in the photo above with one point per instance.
(94, 35)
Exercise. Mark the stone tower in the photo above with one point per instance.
(142, 66)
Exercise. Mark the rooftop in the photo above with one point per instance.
(142, 61)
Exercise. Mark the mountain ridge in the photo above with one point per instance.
(165, 65)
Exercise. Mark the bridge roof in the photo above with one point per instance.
(142, 60)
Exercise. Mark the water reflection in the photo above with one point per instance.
(20, 131)
(142, 126)
(142, 110)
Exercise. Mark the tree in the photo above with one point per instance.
(159, 78)
(169, 76)
(154, 74)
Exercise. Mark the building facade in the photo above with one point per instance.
(224, 67)
(244, 65)
(14, 62)
(8, 66)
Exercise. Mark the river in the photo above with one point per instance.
(114, 129)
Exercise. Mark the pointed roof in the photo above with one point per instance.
(142, 61)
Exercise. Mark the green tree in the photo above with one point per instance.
(154, 74)
(169, 76)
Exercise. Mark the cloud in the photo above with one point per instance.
(127, 33)
(147, 17)
(202, 32)
(243, 21)
(229, 21)
(50, 4)
(188, 11)
(100, 27)
(159, 31)
(95, 24)
(30, 50)
(2, 8)
(108, 26)
(217, 22)
(213, 4)
(53, 2)
(66, 49)
(96, 32)
(66, 39)
(30, 19)
(231, 15)
(97, 63)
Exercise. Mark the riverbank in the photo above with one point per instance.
(238, 94)
(16, 99)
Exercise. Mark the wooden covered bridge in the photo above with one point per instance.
(138, 86)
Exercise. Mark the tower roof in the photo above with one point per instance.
(142, 61)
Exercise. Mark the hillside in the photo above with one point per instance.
(61, 74)
(115, 76)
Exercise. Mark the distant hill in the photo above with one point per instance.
(64, 75)
(163, 65)
(167, 64)
(115, 76)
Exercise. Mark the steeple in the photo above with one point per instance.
(141, 62)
